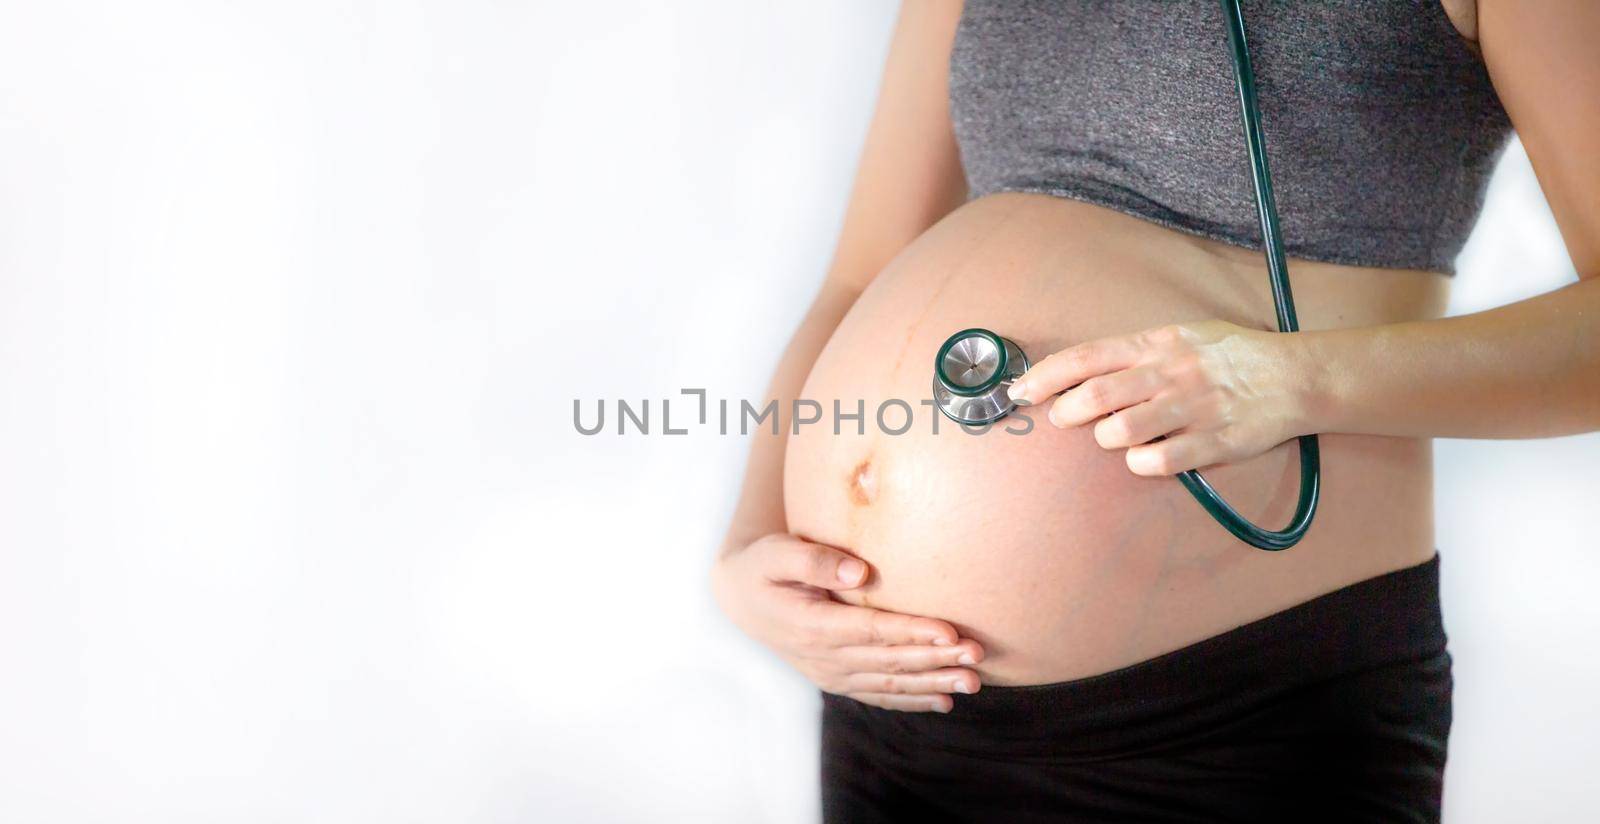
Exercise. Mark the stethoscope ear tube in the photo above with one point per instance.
(1283, 300)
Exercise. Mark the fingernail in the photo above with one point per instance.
(1018, 390)
(940, 708)
(960, 686)
(851, 570)
(941, 641)
(966, 658)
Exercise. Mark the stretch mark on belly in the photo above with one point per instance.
(951, 274)
(863, 483)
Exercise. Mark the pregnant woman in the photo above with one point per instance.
(1046, 626)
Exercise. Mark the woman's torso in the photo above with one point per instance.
(1044, 546)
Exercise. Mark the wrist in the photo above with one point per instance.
(725, 589)
(739, 537)
(1315, 392)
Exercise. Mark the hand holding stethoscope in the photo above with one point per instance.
(1177, 397)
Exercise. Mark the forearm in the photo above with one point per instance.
(1530, 369)
(760, 508)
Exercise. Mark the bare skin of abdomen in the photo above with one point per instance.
(1044, 546)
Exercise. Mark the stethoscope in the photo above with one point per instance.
(975, 367)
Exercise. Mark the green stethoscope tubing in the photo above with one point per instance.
(1277, 272)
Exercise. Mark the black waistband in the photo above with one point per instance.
(1391, 619)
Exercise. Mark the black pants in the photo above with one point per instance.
(1337, 709)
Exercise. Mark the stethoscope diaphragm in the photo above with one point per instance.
(972, 373)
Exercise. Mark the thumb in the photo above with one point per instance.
(818, 565)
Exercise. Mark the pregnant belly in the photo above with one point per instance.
(1042, 545)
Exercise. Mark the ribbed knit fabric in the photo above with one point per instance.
(1381, 125)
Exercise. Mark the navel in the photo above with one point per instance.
(863, 483)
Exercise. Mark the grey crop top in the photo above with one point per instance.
(1381, 124)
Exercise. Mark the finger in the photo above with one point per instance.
(855, 626)
(908, 658)
(1141, 423)
(905, 703)
(1106, 394)
(801, 561)
(1190, 450)
(1074, 365)
(964, 681)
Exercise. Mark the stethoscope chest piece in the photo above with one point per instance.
(971, 374)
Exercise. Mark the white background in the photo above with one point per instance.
(294, 523)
